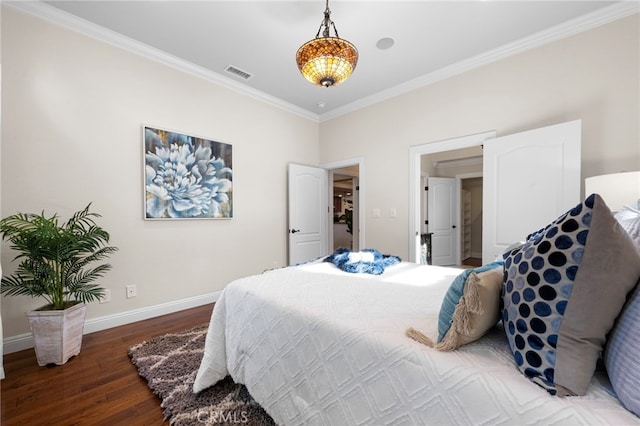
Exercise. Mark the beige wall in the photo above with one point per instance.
(593, 76)
(71, 133)
(72, 110)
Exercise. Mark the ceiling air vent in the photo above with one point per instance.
(238, 72)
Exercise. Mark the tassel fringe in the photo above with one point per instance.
(469, 303)
(419, 337)
(472, 294)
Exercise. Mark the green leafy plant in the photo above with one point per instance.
(55, 259)
(348, 219)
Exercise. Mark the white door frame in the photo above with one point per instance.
(358, 161)
(417, 151)
(355, 221)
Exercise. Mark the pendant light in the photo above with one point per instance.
(327, 61)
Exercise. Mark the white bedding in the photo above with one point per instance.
(315, 345)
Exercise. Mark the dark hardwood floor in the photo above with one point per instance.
(473, 262)
(100, 386)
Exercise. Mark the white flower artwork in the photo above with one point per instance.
(186, 177)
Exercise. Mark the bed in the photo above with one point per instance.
(316, 345)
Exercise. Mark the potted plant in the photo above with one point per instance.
(348, 219)
(55, 264)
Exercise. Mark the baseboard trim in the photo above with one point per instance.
(25, 341)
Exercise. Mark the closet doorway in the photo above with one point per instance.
(511, 163)
(471, 219)
(453, 235)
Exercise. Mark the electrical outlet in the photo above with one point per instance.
(107, 296)
(131, 291)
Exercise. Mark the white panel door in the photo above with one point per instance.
(308, 213)
(441, 207)
(530, 179)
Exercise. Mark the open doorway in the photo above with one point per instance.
(347, 173)
(451, 207)
(419, 155)
(310, 200)
(511, 163)
(345, 201)
(471, 220)
(343, 196)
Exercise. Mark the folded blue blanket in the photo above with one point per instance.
(367, 261)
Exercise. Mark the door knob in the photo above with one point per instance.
(293, 231)
(453, 226)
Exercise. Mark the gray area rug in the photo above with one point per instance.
(169, 364)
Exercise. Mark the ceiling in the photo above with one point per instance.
(432, 40)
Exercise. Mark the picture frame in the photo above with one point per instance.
(186, 176)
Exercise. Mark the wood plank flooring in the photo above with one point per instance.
(472, 262)
(100, 386)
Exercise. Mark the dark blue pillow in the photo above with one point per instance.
(562, 292)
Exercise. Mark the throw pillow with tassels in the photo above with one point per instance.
(469, 309)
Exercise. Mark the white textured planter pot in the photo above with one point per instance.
(57, 335)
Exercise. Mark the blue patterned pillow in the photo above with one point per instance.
(563, 290)
(455, 294)
(470, 308)
(621, 355)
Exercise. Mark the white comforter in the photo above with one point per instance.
(315, 345)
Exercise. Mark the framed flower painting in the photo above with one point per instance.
(186, 177)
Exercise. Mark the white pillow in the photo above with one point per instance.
(629, 219)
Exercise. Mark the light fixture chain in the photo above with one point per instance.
(327, 23)
(335, 30)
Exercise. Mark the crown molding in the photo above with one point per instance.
(82, 26)
(56, 16)
(558, 32)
